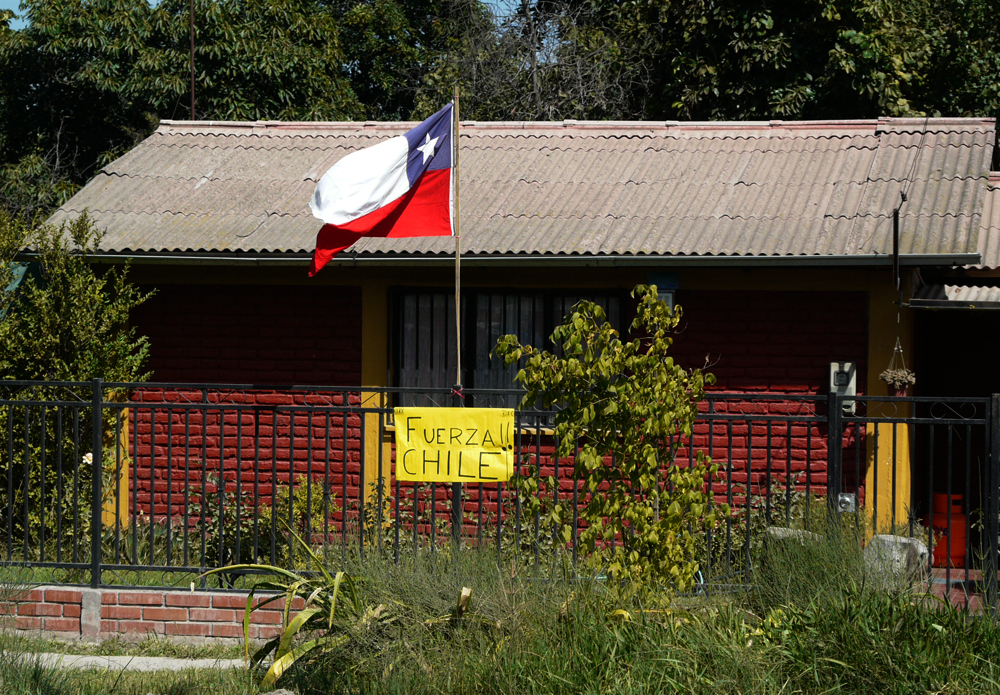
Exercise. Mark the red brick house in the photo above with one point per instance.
(775, 237)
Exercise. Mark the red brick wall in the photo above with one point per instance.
(777, 342)
(246, 334)
(773, 342)
(253, 334)
(768, 342)
(188, 615)
(247, 442)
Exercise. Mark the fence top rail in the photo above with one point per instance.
(710, 396)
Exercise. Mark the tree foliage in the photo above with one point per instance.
(627, 406)
(67, 321)
(548, 61)
(87, 79)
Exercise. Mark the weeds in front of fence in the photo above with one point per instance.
(828, 631)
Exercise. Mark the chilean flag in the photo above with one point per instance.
(398, 188)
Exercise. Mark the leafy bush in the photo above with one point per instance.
(228, 518)
(626, 405)
(63, 321)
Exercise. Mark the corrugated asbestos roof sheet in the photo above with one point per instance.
(572, 188)
(989, 235)
(939, 296)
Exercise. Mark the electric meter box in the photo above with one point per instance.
(844, 381)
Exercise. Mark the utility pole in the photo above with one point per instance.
(191, 26)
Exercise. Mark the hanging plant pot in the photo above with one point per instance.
(897, 381)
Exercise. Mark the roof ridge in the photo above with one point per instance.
(874, 125)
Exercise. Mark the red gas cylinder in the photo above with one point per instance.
(943, 509)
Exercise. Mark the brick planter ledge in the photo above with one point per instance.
(186, 616)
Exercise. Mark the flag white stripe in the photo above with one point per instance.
(362, 182)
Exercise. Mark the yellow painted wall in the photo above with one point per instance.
(886, 320)
(375, 372)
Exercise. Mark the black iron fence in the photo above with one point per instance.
(152, 484)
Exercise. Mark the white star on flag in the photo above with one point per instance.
(428, 147)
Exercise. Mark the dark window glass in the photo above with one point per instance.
(425, 337)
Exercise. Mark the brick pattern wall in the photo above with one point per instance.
(776, 343)
(766, 342)
(246, 442)
(247, 334)
(253, 334)
(772, 342)
(50, 609)
(189, 616)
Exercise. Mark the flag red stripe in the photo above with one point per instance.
(425, 210)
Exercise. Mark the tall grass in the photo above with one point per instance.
(815, 622)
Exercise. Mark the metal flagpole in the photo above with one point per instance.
(458, 397)
(458, 252)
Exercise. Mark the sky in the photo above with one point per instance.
(12, 5)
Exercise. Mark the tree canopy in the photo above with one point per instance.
(86, 79)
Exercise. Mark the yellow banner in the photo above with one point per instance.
(454, 445)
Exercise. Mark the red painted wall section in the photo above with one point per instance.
(764, 342)
(777, 342)
(253, 334)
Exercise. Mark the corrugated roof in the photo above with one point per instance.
(942, 296)
(572, 188)
(989, 235)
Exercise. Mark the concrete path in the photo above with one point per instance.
(131, 663)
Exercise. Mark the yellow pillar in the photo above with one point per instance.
(374, 372)
(882, 331)
(115, 469)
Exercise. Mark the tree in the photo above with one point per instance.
(548, 61)
(88, 79)
(627, 407)
(66, 321)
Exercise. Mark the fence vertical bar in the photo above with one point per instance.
(118, 484)
(930, 501)
(96, 533)
(311, 415)
(10, 484)
(41, 487)
(274, 486)
(135, 481)
(834, 454)
(538, 469)
(187, 486)
(204, 483)
(892, 510)
(170, 489)
(343, 476)
(362, 492)
(968, 474)
(59, 482)
(947, 535)
(380, 477)
(256, 484)
(747, 559)
(992, 503)
(238, 539)
(27, 473)
(76, 484)
(326, 491)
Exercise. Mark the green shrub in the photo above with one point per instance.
(622, 409)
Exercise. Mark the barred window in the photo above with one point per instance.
(424, 337)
